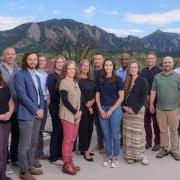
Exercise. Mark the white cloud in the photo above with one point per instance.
(89, 11)
(8, 22)
(55, 12)
(172, 30)
(113, 13)
(163, 18)
(124, 32)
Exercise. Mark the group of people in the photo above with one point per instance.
(121, 103)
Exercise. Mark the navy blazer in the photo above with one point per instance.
(27, 95)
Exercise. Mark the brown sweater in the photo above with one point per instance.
(74, 96)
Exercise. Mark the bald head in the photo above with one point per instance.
(168, 63)
(9, 55)
(124, 60)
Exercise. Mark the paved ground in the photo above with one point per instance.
(158, 169)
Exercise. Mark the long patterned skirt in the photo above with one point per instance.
(134, 135)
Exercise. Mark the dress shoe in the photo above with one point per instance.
(26, 176)
(35, 171)
(90, 153)
(156, 147)
(88, 159)
(147, 146)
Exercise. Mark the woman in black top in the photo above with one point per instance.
(136, 89)
(6, 110)
(57, 131)
(88, 89)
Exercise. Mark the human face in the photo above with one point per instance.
(151, 60)
(42, 62)
(168, 64)
(59, 64)
(84, 68)
(32, 61)
(124, 61)
(133, 70)
(9, 56)
(98, 61)
(71, 71)
(108, 68)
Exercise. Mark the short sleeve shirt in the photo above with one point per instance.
(167, 88)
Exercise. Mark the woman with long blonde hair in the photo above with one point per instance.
(135, 89)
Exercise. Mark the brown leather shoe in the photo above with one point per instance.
(156, 147)
(75, 167)
(162, 153)
(67, 168)
(26, 176)
(176, 156)
(35, 171)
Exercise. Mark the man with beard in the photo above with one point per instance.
(29, 114)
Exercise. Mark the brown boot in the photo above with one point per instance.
(26, 176)
(35, 171)
(75, 167)
(67, 168)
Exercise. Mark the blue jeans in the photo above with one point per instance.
(111, 131)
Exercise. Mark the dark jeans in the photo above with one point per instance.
(98, 128)
(40, 146)
(4, 135)
(56, 135)
(14, 138)
(28, 139)
(148, 118)
(85, 130)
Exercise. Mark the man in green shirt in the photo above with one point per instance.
(166, 87)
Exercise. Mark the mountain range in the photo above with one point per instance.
(52, 34)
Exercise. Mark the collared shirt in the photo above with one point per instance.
(121, 73)
(167, 88)
(149, 75)
(9, 79)
(43, 78)
(36, 84)
(177, 70)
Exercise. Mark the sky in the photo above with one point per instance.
(121, 17)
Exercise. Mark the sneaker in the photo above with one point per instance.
(130, 161)
(114, 163)
(162, 153)
(37, 163)
(107, 162)
(9, 170)
(145, 160)
(176, 156)
(156, 147)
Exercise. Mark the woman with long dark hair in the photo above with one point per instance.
(136, 89)
(88, 89)
(57, 131)
(109, 96)
(70, 114)
(6, 110)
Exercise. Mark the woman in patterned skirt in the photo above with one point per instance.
(135, 89)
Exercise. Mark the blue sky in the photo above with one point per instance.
(122, 17)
